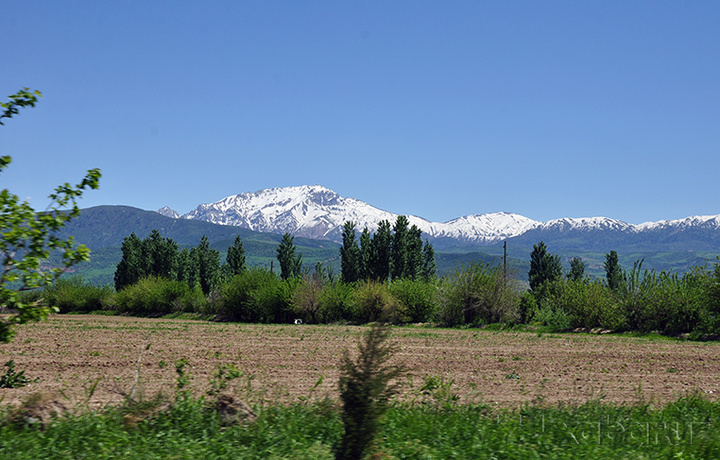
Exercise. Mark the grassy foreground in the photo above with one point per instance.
(686, 428)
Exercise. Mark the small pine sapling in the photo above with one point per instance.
(365, 391)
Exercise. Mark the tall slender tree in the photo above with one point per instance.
(429, 267)
(613, 272)
(290, 262)
(160, 255)
(413, 253)
(131, 267)
(381, 246)
(577, 269)
(207, 261)
(398, 263)
(349, 254)
(544, 267)
(153, 256)
(187, 269)
(366, 255)
(235, 258)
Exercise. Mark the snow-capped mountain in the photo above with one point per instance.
(317, 212)
(167, 212)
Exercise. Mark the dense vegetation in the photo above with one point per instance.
(194, 428)
(392, 278)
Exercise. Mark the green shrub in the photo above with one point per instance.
(580, 304)
(365, 391)
(373, 302)
(418, 300)
(158, 296)
(12, 378)
(336, 302)
(73, 294)
(255, 296)
(478, 294)
(306, 302)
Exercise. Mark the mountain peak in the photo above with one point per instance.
(167, 212)
(314, 211)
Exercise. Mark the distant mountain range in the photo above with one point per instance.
(317, 212)
(315, 215)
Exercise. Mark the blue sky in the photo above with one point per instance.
(439, 109)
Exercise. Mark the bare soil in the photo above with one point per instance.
(93, 360)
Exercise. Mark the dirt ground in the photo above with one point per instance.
(93, 360)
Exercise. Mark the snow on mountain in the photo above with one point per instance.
(484, 227)
(317, 212)
(167, 212)
(310, 211)
(710, 222)
(588, 223)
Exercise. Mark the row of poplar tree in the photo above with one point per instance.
(396, 252)
(160, 257)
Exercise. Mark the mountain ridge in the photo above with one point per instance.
(314, 211)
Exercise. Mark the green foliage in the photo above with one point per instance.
(236, 257)
(372, 301)
(158, 296)
(613, 272)
(290, 262)
(666, 302)
(380, 252)
(12, 378)
(336, 302)
(478, 294)
(417, 300)
(429, 268)
(72, 294)
(415, 257)
(544, 267)
(306, 303)
(399, 253)
(23, 98)
(577, 269)
(29, 237)
(154, 256)
(207, 265)
(365, 391)
(579, 304)
(399, 248)
(223, 376)
(684, 429)
(350, 256)
(255, 296)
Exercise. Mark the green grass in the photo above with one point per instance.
(687, 428)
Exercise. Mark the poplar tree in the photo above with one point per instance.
(544, 267)
(290, 263)
(613, 272)
(414, 255)
(131, 267)
(349, 254)
(207, 263)
(381, 246)
(235, 258)
(366, 255)
(429, 267)
(577, 269)
(399, 248)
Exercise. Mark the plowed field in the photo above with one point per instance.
(96, 358)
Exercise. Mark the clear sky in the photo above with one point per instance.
(440, 109)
